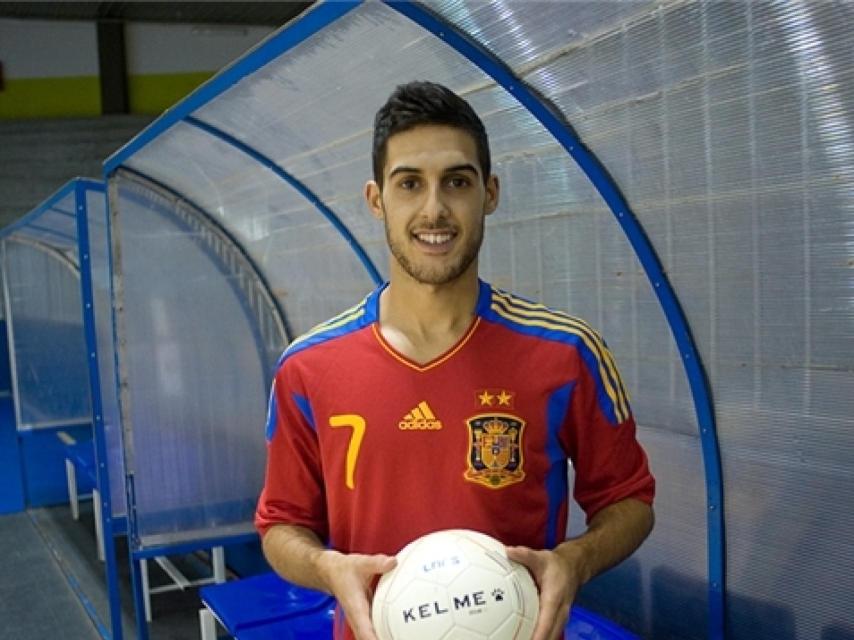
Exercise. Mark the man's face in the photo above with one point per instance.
(433, 202)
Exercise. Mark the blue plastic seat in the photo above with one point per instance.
(315, 625)
(586, 625)
(82, 455)
(266, 607)
(264, 599)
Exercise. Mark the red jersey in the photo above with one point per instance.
(371, 450)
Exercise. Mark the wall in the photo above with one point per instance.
(51, 68)
(37, 157)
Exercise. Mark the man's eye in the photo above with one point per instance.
(408, 183)
(458, 182)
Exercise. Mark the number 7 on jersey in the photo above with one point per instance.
(357, 423)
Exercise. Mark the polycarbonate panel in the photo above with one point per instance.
(195, 370)
(99, 261)
(567, 250)
(671, 589)
(522, 35)
(727, 126)
(49, 347)
(312, 113)
(56, 227)
(310, 267)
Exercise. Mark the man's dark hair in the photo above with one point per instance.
(419, 103)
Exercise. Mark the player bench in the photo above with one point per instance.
(586, 625)
(82, 479)
(81, 476)
(265, 607)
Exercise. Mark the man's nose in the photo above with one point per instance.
(435, 207)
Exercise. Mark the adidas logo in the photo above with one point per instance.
(421, 418)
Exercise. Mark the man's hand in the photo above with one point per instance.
(297, 554)
(557, 581)
(350, 578)
(612, 535)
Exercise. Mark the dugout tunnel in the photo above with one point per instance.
(47, 382)
(676, 173)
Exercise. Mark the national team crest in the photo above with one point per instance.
(495, 450)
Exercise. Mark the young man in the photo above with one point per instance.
(440, 402)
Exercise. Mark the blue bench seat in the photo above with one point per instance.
(268, 600)
(266, 607)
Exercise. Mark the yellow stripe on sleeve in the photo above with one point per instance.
(543, 318)
(521, 306)
(332, 324)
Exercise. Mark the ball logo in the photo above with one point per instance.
(465, 601)
(441, 563)
(455, 584)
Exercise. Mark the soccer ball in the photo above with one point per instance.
(455, 585)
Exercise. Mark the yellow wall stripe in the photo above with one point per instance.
(80, 96)
(153, 93)
(76, 97)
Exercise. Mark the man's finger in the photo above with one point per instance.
(362, 628)
(545, 618)
(359, 617)
(524, 556)
(557, 631)
(383, 564)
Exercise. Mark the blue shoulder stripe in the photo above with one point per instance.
(592, 338)
(353, 319)
(540, 321)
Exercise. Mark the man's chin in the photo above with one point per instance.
(435, 277)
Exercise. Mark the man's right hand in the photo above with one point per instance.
(351, 579)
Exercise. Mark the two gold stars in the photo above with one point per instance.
(488, 399)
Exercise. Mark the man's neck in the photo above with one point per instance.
(421, 320)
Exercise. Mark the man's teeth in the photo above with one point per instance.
(434, 238)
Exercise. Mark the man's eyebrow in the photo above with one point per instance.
(403, 169)
(452, 169)
(463, 167)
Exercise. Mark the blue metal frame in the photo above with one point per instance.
(296, 184)
(50, 203)
(604, 184)
(82, 187)
(315, 20)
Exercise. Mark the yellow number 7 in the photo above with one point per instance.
(358, 425)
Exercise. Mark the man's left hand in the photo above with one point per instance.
(558, 583)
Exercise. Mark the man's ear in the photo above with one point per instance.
(492, 191)
(374, 198)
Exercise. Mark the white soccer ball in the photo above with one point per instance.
(455, 585)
